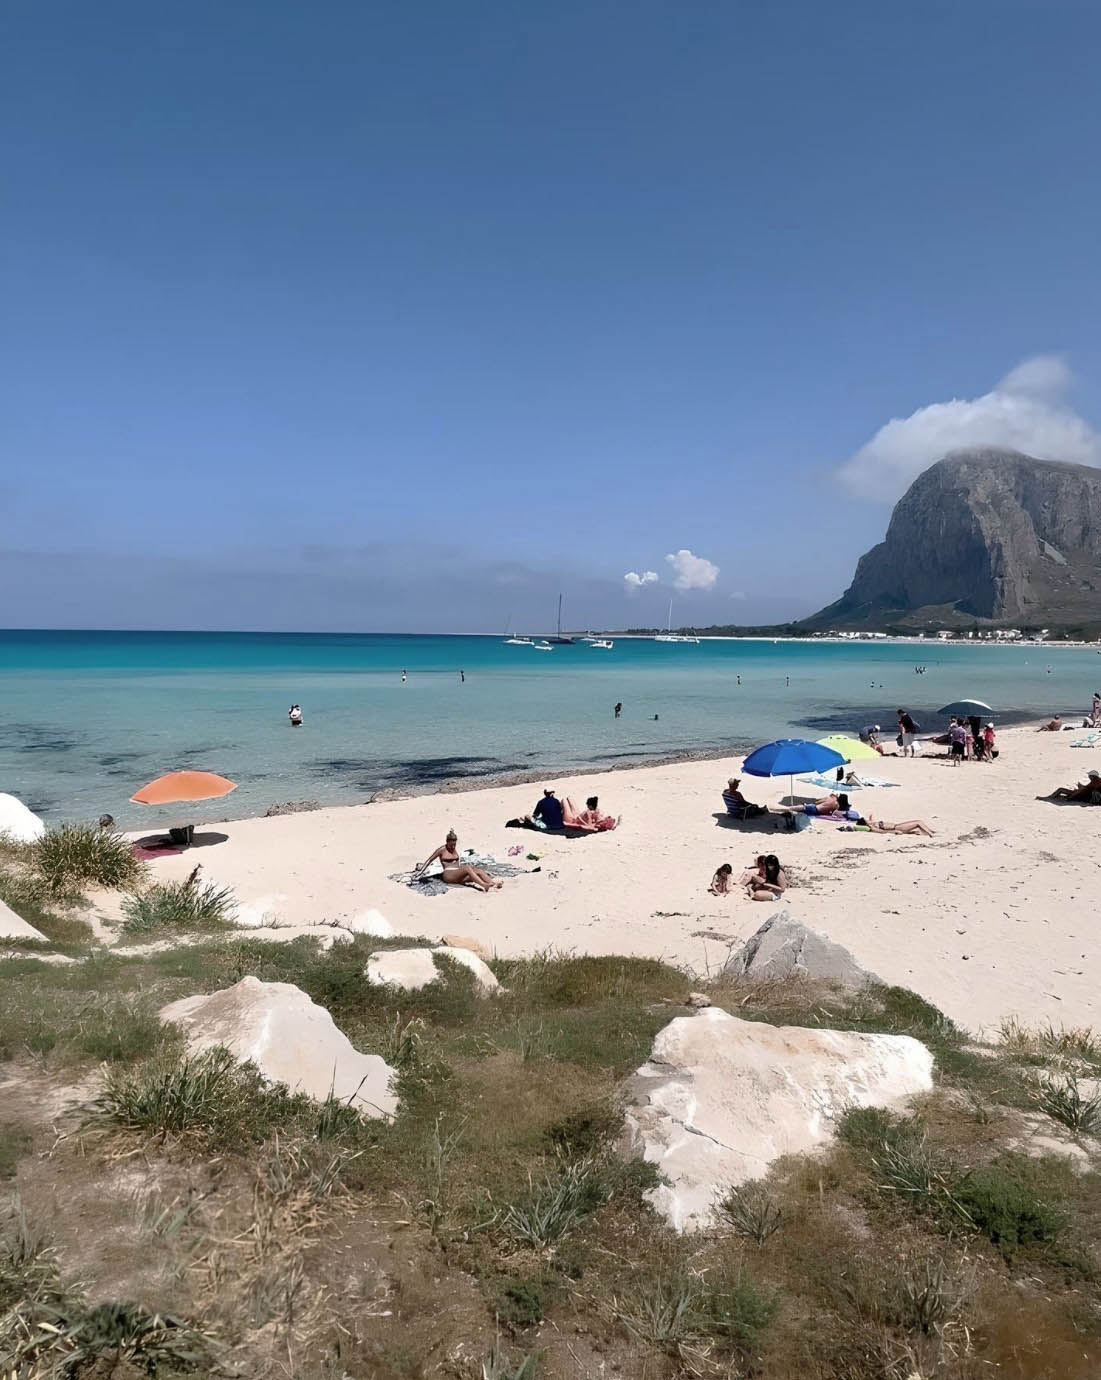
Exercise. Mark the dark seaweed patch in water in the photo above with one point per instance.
(36, 738)
(375, 773)
(117, 759)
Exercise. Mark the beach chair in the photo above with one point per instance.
(737, 809)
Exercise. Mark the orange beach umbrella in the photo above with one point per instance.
(183, 785)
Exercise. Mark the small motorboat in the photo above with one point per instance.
(543, 646)
(602, 643)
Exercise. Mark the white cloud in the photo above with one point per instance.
(633, 581)
(1026, 411)
(692, 572)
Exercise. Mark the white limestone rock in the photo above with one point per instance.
(263, 912)
(290, 1039)
(17, 822)
(13, 926)
(371, 922)
(411, 969)
(721, 1098)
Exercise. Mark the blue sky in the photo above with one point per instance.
(372, 316)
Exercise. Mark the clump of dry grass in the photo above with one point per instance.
(72, 855)
(1049, 1043)
(178, 907)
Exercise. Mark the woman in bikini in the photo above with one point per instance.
(590, 819)
(446, 864)
(906, 826)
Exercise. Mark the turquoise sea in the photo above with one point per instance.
(90, 716)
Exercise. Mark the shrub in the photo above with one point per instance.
(1009, 1202)
(521, 1301)
(69, 855)
(174, 906)
(586, 1130)
(864, 1127)
(554, 1207)
(671, 1311)
(751, 1210)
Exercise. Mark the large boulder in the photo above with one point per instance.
(290, 1039)
(17, 822)
(411, 969)
(784, 948)
(721, 1098)
(13, 926)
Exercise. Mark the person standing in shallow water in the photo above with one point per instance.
(618, 708)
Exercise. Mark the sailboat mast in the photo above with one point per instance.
(560, 615)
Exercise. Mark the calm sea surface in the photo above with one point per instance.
(90, 716)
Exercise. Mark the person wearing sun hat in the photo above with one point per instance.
(1088, 794)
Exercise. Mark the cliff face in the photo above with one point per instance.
(985, 533)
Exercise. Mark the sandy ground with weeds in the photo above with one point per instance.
(993, 917)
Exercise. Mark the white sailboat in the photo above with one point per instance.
(515, 641)
(670, 636)
(560, 641)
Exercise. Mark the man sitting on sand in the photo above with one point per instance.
(548, 811)
(1083, 793)
(1054, 725)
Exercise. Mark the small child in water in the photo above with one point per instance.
(722, 883)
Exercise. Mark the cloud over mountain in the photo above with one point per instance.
(1027, 411)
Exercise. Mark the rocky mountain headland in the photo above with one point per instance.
(984, 535)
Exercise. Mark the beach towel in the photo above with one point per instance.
(831, 783)
(154, 850)
(436, 886)
(1090, 740)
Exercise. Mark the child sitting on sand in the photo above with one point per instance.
(722, 883)
(768, 883)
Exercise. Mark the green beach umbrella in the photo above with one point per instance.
(852, 749)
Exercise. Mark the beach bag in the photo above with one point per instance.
(798, 822)
(898, 740)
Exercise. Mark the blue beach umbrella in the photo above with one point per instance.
(789, 756)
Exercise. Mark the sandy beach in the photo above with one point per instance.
(989, 919)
